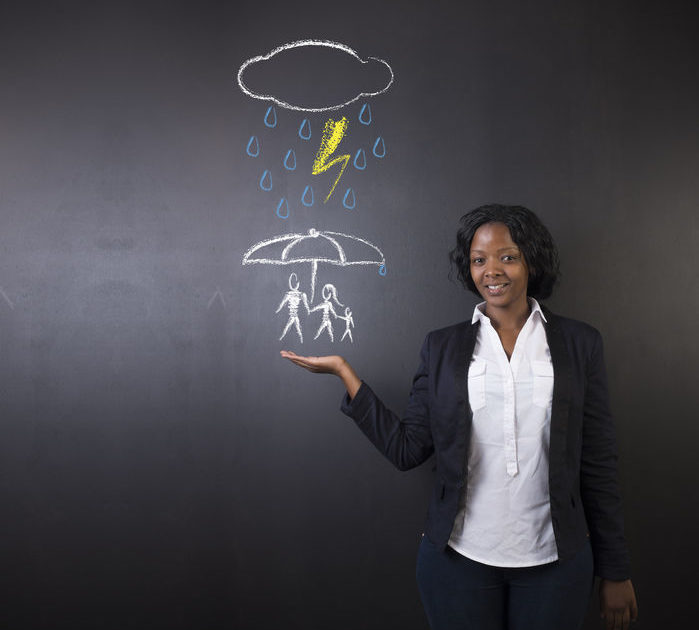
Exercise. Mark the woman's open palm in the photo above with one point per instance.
(330, 364)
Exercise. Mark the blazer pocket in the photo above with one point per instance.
(543, 383)
(476, 384)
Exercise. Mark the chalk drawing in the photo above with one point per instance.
(310, 43)
(379, 149)
(315, 247)
(365, 114)
(7, 299)
(349, 322)
(266, 181)
(279, 250)
(283, 209)
(290, 160)
(327, 157)
(217, 295)
(329, 293)
(359, 160)
(293, 299)
(253, 148)
(349, 200)
(307, 197)
(271, 117)
(332, 135)
(305, 130)
(325, 53)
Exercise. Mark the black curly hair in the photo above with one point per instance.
(526, 230)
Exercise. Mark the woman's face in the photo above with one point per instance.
(498, 268)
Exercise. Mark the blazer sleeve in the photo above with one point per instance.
(407, 441)
(598, 474)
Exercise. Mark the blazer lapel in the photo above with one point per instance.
(465, 344)
(562, 375)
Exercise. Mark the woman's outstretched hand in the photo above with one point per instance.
(330, 364)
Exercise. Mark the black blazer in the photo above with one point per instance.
(585, 500)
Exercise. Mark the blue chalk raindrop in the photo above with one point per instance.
(307, 197)
(379, 149)
(305, 130)
(271, 117)
(253, 148)
(290, 160)
(382, 270)
(360, 160)
(266, 180)
(365, 114)
(283, 209)
(349, 200)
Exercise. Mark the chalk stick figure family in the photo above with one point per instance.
(293, 299)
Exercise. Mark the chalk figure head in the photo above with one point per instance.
(329, 291)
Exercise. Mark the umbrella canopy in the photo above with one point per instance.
(333, 248)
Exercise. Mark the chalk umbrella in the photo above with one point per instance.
(316, 246)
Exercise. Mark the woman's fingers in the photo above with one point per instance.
(327, 364)
(617, 619)
(626, 619)
(618, 604)
(304, 362)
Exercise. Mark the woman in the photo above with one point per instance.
(514, 405)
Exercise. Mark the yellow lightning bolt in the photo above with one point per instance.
(333, 133)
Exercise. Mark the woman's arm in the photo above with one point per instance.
(405, 441)
(599, 486)
(601, 498)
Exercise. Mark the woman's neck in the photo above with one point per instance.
(509, 318)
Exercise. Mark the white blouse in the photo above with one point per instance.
(504, 516)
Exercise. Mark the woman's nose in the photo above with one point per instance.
(493, 269)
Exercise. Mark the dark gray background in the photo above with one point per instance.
(160, 465)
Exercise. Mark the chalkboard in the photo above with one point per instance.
(186, 189)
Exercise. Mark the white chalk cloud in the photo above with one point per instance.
(268, 93)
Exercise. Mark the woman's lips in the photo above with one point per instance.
(496, 289)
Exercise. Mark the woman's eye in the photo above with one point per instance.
(477, 261)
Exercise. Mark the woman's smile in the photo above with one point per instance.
(496, 289)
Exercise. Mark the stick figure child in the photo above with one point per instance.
(349, 322)
(329, 292)
(293, 298)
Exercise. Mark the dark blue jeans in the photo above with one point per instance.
(461, 594)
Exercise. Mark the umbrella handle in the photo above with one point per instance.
(314, 270)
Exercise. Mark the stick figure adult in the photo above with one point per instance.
(329, 293)
(293, 298)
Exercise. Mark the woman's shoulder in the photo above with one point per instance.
(572, 327)
(448, 335)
